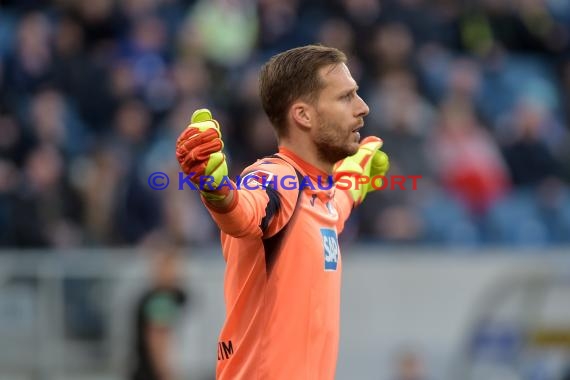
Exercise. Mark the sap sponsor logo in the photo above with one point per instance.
(330, 248)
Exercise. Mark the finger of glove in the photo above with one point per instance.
(185, 146)
(369, 139)
(380, 163)
(371, 143)
(193, 137)
(202, 114)
(203, 151)
(196, 136)
(214, 165)
(367, 151)
(192, 132)
(217, 166)
(200, 154)
(196, 167)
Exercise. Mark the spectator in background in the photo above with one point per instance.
(565, 158)
(101, 24)
(157, 311)
(392, 47)
(137, 209)
(467, 159)
(99, 181)
(363, 17)
(260, 134)
(146, 50)
(231, 45)
(278, 24)
(337, 33)
(404, 119)
(31, 64)
(464, 82)
(565, 100)
(46, 211)
(191, 78)
(14, 143)
(79, 77)
(527, 154)
(8, 187)
(52, 121)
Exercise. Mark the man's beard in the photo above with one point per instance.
(331, 146)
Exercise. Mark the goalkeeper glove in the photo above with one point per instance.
(360, 169)
(199, 153)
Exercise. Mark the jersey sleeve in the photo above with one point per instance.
(266, 196)
(344, 204)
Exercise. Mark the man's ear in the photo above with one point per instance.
(302, 114)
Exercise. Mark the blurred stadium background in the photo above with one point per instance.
(467, 278)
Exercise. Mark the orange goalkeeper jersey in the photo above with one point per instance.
(283, 273)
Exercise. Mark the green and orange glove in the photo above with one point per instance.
(199, 153)
(360, 173)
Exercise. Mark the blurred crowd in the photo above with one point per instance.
(474, 96)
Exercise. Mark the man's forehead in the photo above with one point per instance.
(337, 75)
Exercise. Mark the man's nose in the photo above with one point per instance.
(362, 109)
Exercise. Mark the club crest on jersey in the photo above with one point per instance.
(256, 179)
(330, 248)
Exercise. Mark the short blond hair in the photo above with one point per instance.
(293, 75)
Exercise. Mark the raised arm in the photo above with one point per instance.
(247, 208)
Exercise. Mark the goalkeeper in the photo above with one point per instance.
(283, 273)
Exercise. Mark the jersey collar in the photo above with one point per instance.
(306, 168)
(314, 173)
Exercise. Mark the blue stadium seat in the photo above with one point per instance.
(516, 220)
(448, 222)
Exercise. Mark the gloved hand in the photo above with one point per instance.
(357, 172)
(199, 153)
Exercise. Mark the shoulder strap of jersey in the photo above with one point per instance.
(272, 244)
(299, 181)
